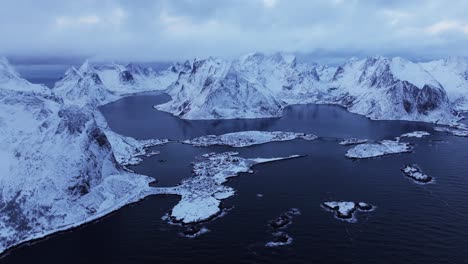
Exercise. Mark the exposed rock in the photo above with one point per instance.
(352, 141)
(194, 231)
(279, 239)
(415, 173)
(346, 210)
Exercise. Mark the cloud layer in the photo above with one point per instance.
(172, 30)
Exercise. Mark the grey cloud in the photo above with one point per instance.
(174, 30)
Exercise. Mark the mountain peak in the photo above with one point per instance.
(86, 67)
(7, 72)
(252, 57)
(3, 61)
(282, 57)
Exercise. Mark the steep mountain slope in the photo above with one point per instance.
(57, 168)
(100, 84)
(280, 73)
(390, 88)
(452, 73)
(83, 86)
(213, 88)
(10, 80)
(132, 78)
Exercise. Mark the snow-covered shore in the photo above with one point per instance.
(201, 195)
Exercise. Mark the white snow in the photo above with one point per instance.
(414, 73)
(384, 147)
(247, 138)
(416, 134)
(452, 73)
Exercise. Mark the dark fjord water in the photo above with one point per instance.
(412, 223)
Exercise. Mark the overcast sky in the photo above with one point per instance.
(180, 29)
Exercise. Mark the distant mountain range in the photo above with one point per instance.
(258, 85)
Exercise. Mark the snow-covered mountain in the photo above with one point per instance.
(98, 84)
(83, 86)
(258, 85)
(390, 88)
(215, 89)
(11, 80)
(57, 168)
(452, 73)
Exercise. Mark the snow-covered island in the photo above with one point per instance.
(201, 195)
(416, 134)
(381, 148)
(416, 174)
(247, 138)
(345, 210)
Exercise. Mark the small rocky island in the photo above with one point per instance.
(281, 238)
(416, 174)
(346, 210)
